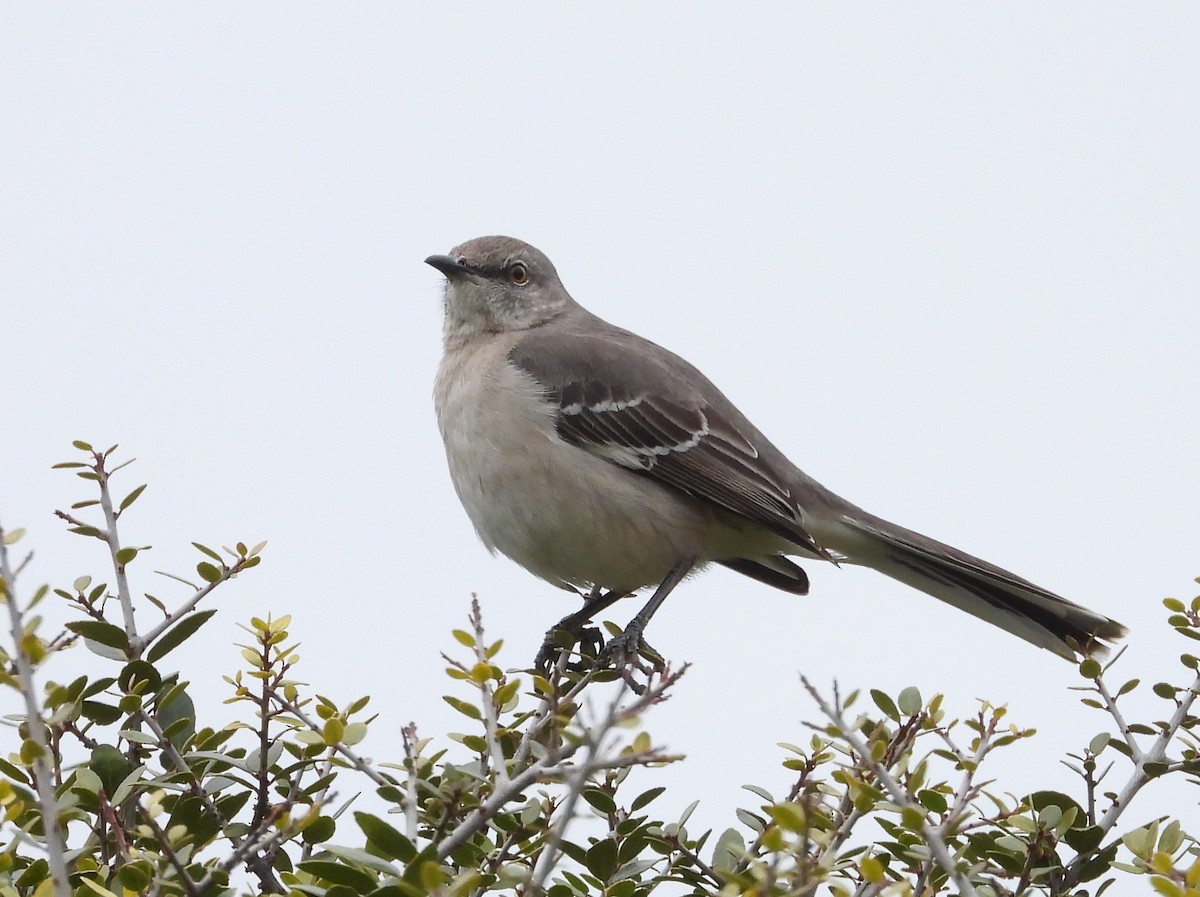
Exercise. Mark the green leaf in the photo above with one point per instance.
(910, 701)
(111, 766)
(319, 830)
(100, 714)
(208, 572)
(337, 874)
(645, 798)
(386, 839)
(81, 445)
(885, 704)
(934, 801)
(125, 555)
(601, 858)
(468, 710)
(1089, 668)
(178, 634)
(599, 799)
(789, 816)
(131, 497)
(208, 551)
(177, 715)
(140, 677)
(729, 850)
(101, 632)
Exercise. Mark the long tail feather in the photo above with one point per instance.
(979, 588)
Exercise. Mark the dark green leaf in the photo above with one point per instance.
(125, 555)
(178, 634)
(387, 840)
(601, 858)
(599, 799)
(139, 675)
(1084, 840)
(98, 631)
(110, 765)
(337, 874)
(101, 714)
(645, 798)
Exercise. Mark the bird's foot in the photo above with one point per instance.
(628, 653)
(561, 639)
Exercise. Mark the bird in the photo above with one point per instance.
(606, 464)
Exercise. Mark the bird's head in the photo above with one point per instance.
(499, 284)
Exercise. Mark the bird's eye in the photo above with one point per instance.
(518, 273)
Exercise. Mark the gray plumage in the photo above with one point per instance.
(596, 458)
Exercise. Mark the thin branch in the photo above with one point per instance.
(187, 607)
(113, 540)
(55, 844)
(487, 699)
(164, 842)
(356, 761)
(576, 781)
(1110, 704)
(265, 874)
(932, 837)
(409, 736)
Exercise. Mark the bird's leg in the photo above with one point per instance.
(575, 626)
(623, 650)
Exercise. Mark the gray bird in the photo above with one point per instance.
(600, 461)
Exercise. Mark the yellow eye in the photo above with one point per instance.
(518, 273)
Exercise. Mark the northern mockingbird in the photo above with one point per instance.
(598, 460)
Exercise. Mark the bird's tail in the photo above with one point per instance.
(985, 590)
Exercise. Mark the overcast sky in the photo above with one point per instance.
(945, 256)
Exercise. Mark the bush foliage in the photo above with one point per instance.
(116, 783)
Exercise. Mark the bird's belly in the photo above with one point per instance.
(564, 514)
(577, 523)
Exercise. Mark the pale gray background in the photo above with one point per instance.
(945, 256)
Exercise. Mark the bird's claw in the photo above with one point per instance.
(560, 640)
(628, 653)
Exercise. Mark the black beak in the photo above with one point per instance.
(451, 267)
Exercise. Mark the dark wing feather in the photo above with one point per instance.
(637, 405)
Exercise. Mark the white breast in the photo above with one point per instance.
(564, 514)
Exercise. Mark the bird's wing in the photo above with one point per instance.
(643, 408)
